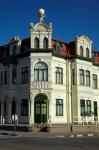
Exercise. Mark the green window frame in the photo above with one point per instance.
(82, 82)
(24, 107)
(87, 78)
(88, 105)
(41, 72)
(59, 107)
(59, 75)
(24, 75)
(95, 81)
(82, 107)
(95, 108)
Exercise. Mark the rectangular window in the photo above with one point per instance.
(87, 78)
(95, 81)
(95, 108)
(5, 108)
(14, 76)
(24, 107)
(24, 76)
(1, 77)
(5, 77)
(59, 107)
(81, 77)
(59, 75)
(88, 104)
(82, 107)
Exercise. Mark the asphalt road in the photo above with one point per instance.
(81, 143)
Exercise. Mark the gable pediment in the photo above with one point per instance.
(84, 39)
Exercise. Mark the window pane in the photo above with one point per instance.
(87, 78)
(37, 109)
(24, 76)
(94, 81)
(82, 107)
(36, 75)
(45, 43)
(87, 52)
(59, 75)
(95, 108)
(81, 51)
(24, 107)
(45, 75)
(88, 103)
(41, 75)
(81, 77)
(59, 107)
(36, 43)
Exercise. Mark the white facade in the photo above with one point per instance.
(42, 86)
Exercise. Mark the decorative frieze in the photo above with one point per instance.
(41, 85)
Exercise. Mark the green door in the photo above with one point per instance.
(41, 111)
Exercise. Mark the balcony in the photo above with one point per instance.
(41, 85)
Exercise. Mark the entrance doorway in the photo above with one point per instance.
(40, 109)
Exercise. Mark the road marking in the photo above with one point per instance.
(60, 136)
(72, 136)
(79, 135)
(90, 134)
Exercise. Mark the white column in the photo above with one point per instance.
(32, 111)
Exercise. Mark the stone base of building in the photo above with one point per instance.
(54, 128)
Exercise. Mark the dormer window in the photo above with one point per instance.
(14, 50)
(58, 47)
(45, 43)
(36, 42)
(87, 52)
(81, 51)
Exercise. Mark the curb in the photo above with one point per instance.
(84, 135)
(78, 135)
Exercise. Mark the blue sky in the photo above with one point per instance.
(69, 17)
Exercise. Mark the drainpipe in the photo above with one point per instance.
(72, 119)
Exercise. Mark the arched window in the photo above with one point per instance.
(36, 43)
(81, 51)
(58, 48)
(45, 43)
(41, 72)
(14, 50)
(87, 52)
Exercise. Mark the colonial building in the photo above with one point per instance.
(48, 81)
